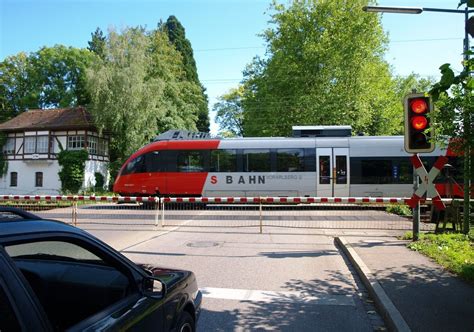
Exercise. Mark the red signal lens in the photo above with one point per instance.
(419, 122)
(419, 106)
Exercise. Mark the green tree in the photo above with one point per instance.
(181, 97)
(97, 43)
(454, 97)
(139, 89)
(324, 66)
(125, 100)
(17, 90)
(229, 113)
(177, 36)
(50, 77)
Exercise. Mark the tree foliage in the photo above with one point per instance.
(324, 66)
(97, 43)
(177, 36)
(139, 89)
(229, 113)
(51, 77)
(125, 100)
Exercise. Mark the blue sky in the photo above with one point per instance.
(223, 33)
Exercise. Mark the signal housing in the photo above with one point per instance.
(418, 130)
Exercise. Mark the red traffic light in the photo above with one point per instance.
(418, 129)
(419, 122)
(419, 106)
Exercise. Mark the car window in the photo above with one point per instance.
(70, 281)
(54, 250)
(8, 319)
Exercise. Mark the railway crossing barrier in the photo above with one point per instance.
(152, 213)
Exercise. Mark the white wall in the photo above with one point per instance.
(93, 166)
(26, 178)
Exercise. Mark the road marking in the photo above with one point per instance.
(272, 296)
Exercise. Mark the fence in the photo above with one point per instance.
(152, 213)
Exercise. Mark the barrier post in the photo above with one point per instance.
(416, 209)
(260, 211)
(157, 210)
(162, 201)
(74, 212)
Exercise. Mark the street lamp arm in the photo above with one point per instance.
(411, 10)
(442, 10)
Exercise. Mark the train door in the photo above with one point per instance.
(332, 172)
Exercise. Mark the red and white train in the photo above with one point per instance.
(322, 161)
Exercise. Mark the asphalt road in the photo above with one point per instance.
(291, 277)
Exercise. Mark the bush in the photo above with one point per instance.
(401, 210)
(72, 169)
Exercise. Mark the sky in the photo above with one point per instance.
(224, 34)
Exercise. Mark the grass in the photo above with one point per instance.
(453, 251)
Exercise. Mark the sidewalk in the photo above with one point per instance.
(421, 296)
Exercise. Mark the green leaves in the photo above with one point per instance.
(325, 66)
(72, 169)
(50, 77)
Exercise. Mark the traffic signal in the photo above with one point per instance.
(418, 131)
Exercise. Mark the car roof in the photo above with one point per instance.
(18, 226)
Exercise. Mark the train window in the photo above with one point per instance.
(256, 160)
(223, 161)
(191, 161)
(381, 170)
(309, 160)
(341, 169)
(153, 162)
(136, 165)
(290, 160)
(324, 170)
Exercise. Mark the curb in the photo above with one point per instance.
(387, 309)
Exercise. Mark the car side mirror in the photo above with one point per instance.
(154, 288)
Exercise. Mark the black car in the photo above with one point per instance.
(55, 277)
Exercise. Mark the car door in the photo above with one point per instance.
(82, 285)
(18, 309)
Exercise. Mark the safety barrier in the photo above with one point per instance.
(151, 213)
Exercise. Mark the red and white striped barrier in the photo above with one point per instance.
(244, 200)
(76, 198)
(289, 200)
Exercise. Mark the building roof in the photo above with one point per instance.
(50, 119)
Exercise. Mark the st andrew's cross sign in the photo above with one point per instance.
(426, 185)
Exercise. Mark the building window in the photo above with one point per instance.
(13, 179)
(92, 144)
(30, 144)
(42, 144)
(103, 147)
(75, 142)
(38, 179)
(9, 147)
(36, 144)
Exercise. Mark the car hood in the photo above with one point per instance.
(170, 277)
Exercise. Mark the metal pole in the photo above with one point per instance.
(416, 210)
(157, 211)
(74, 213)
(162, 212)
(467, 130)
(261, 222)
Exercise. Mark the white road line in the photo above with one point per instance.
(272, 296)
